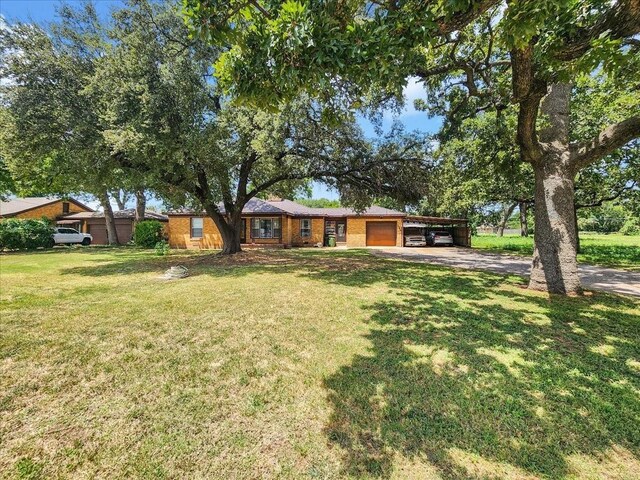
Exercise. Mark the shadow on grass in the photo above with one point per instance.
(465, 369)
(480, 380)
(128, 261)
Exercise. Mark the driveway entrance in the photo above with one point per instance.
(592, 277)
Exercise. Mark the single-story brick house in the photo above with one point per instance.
(52, 208)
(287, 223)
(94, 223)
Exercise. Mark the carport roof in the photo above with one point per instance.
(419, 221)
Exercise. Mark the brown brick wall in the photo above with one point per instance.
(51, 211)
(317, 232)
(179, 230)
(357, 230)
(179, 233)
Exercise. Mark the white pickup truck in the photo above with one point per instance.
(64, 235)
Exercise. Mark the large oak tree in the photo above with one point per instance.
(111, 102)
(53, 136)
(486, 53)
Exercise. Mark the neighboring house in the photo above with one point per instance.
(286, 223)
(95, 224)
(52, 208)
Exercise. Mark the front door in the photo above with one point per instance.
(341, 231)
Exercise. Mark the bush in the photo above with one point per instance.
(631, 227)
(605, 219)
(148, 233)
(162, 248)
(28, 234)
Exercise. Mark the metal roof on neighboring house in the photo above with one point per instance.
(18, 205)
(289, 207)
(127, 213)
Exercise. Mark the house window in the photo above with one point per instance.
(305, 227)
(197, 224)
(266, 228)
(65, 207)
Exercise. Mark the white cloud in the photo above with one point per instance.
(412, 91)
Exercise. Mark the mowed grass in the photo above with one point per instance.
(617, 251)
(308, 364)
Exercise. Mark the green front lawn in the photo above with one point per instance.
(308, 364)
(617, 251)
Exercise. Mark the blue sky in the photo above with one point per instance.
(44, 10)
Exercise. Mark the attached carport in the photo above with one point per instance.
(457, 227)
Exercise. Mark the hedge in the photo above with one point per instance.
(148, 233)
(27, 234)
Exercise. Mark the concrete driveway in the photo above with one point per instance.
(592, 277)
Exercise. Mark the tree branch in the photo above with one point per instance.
(617, 194)
(459, 20)
(621, 21)
(528, 92)
(610, 139)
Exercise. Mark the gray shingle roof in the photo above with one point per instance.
(127, 213)
(255, 205)
(288, 207)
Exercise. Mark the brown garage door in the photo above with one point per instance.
(98, 232)
(124, 229)
(381, 234)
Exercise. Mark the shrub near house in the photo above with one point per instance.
(148, 233)
(25, 234)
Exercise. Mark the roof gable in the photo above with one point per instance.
(20, 205)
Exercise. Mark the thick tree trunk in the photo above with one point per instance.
(524, 227)
(230, 240)
(109, 219)
(141, 205)
(229, 226)
(506, 214)
(554, 268)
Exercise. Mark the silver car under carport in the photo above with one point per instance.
(419, 226)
